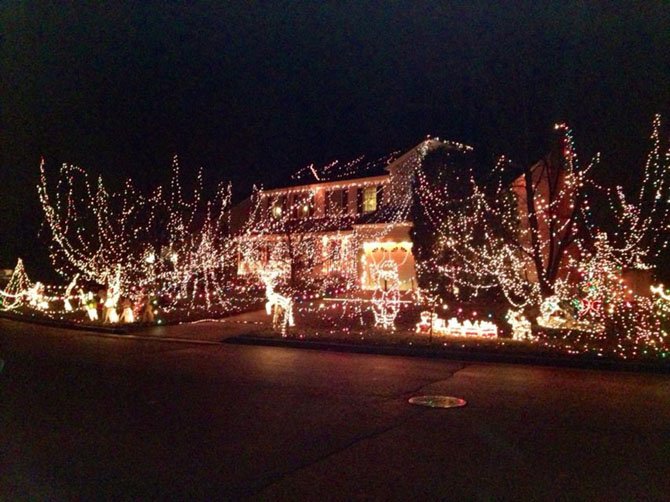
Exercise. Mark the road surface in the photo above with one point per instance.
(91, 417)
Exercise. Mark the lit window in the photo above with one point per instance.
(302, 206)
(369, 199)
(276, 210)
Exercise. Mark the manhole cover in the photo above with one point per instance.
(437, 401)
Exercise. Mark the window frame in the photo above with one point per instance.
(371, 191)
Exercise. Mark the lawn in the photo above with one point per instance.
(353, 323)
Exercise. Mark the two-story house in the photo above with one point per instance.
(343, 227)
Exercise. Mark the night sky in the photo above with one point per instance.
(254, 91)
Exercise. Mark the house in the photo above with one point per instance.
(551, 191)
(548, 191)
(356, 233)
(343, 229)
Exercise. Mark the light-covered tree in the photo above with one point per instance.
(156, 243)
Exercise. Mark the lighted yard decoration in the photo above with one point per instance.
(430, 321)
(127, 314)
(526, 238)
(67, 304)
(481, 328)
(386, 297)
(454, 327)
(553, 315)
(89, 303)
(279, 306)
(148, 310)
(36, 296)
(521, 327)
(111, 298)
(15, 293)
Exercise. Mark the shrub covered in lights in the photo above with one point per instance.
(360, 250)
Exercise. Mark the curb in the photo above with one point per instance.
(134, 333)
(54, 323)
(478, 356)
(119, 329)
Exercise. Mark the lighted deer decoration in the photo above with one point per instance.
(112, 298)
(277, 305)
(68, 293)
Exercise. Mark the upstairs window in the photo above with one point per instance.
(277, 209)
(336, 201)
(303, 205)
(303, 210)
(370, 199)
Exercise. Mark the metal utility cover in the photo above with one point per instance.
(438, 401)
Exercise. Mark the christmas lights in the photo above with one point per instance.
(386, 296)
(331, 237)
(279, 306)
(160, 243)
(470, 328)
(375, 243)
(521, 327)
(13, 296)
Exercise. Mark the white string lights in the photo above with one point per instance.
(535, 241)
(330, 237)
(161, 245)
(280, 307)
(386, 297)
(538, 243)
(521, 327)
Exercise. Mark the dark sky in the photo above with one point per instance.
(253, 91)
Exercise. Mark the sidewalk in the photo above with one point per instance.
(254, 328)
(212, 330)
(205, 331)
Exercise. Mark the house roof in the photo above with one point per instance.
(395, 163)
(334, 184)
(241, 211)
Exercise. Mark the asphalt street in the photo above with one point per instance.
(90, 417)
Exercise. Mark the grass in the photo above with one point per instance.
(353, 323)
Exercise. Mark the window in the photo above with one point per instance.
(303, 205)
(277, 208)
(336, 250)
(335, 201)
(370, 199)
(303, 210)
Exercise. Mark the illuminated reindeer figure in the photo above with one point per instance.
(112, 298)
(68, 294)
(277, 305)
